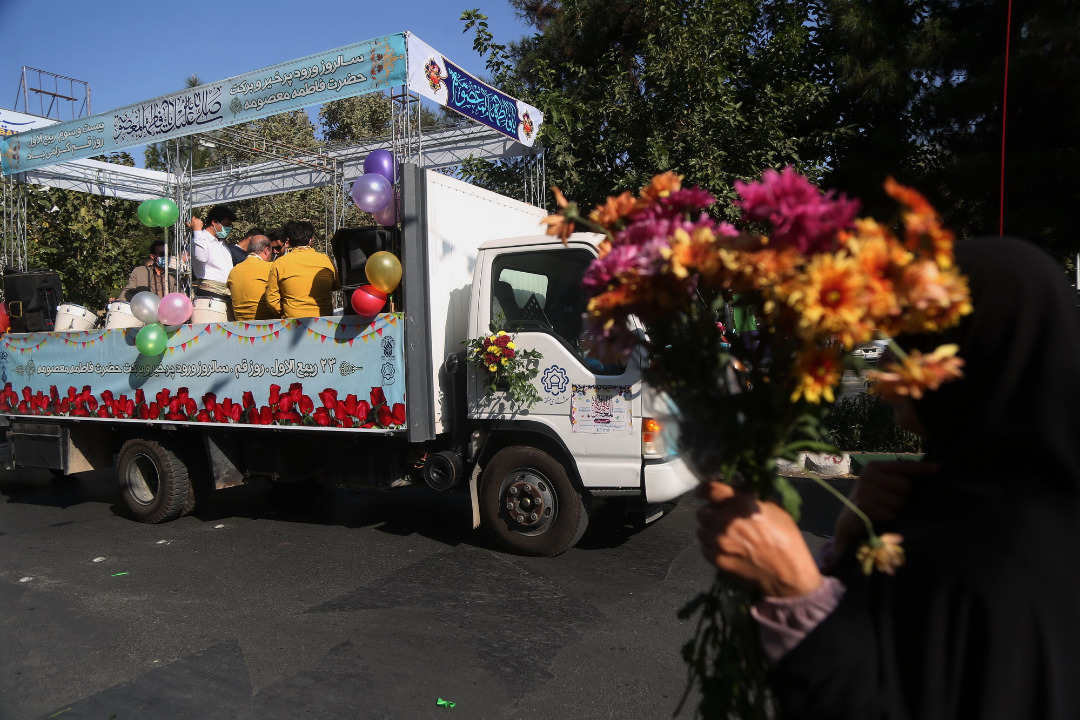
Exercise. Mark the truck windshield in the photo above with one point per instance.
(541, 292)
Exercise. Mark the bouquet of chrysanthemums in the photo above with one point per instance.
(505, 366)
(810, 280)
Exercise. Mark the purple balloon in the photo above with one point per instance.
(388, 215)
(381, 162)
(174, 309)
(371, 192)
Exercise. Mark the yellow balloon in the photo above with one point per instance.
(383, 270)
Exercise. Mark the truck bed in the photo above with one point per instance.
(344, 373)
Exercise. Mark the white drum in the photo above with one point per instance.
(209, 310)
(71, 318)
(120, 316)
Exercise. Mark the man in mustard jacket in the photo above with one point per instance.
(247, 282)
(301, 281)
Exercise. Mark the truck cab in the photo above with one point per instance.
(597, 433)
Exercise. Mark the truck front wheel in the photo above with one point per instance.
(529, 504)
(153, 480)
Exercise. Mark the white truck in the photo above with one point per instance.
(381, 401)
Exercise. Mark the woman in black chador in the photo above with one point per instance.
(983, 619)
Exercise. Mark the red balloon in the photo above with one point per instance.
(368, 300)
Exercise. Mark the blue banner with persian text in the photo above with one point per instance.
(432, 75)
(333, 372)
(345, 72)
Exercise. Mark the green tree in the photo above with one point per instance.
(93, 242)
(192, 147)
(715, 91)
(352, 120)
(922, 85)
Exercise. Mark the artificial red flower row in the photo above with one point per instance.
(291, 407)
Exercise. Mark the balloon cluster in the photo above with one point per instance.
(172, 310)
(373, 191)
(161, 212)
(383, 271)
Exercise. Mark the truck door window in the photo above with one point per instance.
(541, 292)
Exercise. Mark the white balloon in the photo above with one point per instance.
(144, 306)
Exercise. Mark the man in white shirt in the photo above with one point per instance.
(211, 260)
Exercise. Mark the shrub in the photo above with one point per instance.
(866, 423)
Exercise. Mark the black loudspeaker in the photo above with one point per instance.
(352, 247)
(32, 298)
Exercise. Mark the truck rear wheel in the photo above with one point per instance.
(529, 504)
(153, 480)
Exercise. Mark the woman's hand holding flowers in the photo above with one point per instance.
(755, 541)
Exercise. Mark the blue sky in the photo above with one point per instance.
(134, 50)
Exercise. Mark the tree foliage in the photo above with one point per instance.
(93, 242)
(849, 91)
(715, 91)
(923, 86)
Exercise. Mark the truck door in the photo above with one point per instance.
(594, 408)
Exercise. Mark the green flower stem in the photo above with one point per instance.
(850, 505)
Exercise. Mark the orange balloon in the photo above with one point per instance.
(383, 270)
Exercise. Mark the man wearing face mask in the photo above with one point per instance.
(151, 275)
(211, 260)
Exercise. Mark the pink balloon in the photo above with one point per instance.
(388, 215)
(367, 300)
(371, 192)
(174, 309)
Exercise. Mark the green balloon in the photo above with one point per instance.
(144, 213)
(152, 340)
(163, 212)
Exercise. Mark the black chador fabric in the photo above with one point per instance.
(983, 620)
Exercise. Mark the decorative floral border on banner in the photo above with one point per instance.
(289, 407)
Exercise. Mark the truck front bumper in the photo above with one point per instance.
(667, 479)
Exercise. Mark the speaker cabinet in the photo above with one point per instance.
(32, 298)
(352, 247)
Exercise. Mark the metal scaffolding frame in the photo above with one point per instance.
(284, 169)
(78, 105)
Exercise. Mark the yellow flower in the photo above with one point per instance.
(493, 368)
(494, 349)
(917, 373)
(882, 553)
(510, 345)
(819, 370)
(830, 296)
(504, 361)
(501, 333)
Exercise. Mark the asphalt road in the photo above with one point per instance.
(333, 604)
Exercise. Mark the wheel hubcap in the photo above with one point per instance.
(529, 502)
(142, 479)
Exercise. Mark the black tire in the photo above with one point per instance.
(153, 480)
(529, 505)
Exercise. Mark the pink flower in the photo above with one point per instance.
(799, 214)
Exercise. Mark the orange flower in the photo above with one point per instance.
(770, 267)
(916, 373)
(831, 298)
(614, 209)
(661, 186)
(560, 225)
(818, 370)
(922, 225)
(939, 298)
(882, 553)
(695, 252)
